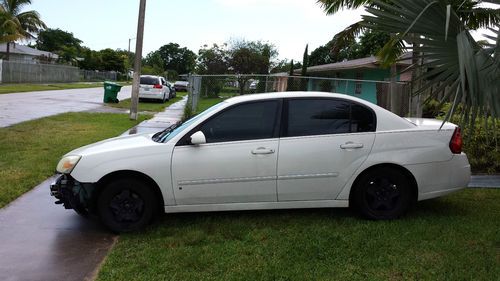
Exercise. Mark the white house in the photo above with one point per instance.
(26, 54)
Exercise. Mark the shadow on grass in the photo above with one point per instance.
(240, 221)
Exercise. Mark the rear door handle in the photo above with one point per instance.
(351, 145)
(262, 150)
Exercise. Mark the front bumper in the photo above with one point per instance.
(72, 194)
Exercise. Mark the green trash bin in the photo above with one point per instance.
(111, 91)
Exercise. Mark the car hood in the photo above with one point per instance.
(122, 143)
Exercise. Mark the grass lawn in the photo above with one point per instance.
(452, 238)
(204, 103)
(152, 106)
(20, 88)
(29, 151)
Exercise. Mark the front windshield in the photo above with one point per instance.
(168, 134)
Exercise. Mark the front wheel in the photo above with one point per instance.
(126, 205)
(382, 194)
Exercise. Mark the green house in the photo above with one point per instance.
(364, 78)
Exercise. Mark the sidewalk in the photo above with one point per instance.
(488, 181)
(161, 120)
(42, 241)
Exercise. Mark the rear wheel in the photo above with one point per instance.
(382, 194)
(126, 205)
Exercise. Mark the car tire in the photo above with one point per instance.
(126, 205)
(382, 194)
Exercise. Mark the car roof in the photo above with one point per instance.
(275, 95)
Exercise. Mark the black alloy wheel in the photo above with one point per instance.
(382, 194)
(126, 205)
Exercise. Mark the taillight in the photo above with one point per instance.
(157, 86)
(456, 141)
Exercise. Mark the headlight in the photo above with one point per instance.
(67, 164)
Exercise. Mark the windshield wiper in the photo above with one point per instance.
(158, 136)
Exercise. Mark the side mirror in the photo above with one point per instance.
(198, 138)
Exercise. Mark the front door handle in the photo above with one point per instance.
(351, 145)
(262, 150)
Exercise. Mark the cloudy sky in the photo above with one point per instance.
(288, 24)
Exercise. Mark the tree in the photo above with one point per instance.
(54, 40)
(321, 55)
(469, 12)
(290, 85)
(17, 25)
(305, 63)
(112, 60)
(173, 58)
(439, 63)
(452, 61)
(368, 44)
(214, 60)
(251, 57)
(153, 64)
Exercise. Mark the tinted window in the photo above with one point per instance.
(362, 119)
(317, 117)
(242, 122)
(149, 80)
(308, 117)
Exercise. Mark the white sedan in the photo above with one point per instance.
(267, 151)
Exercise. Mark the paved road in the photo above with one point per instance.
(20, 107)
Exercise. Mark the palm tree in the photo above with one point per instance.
(16, 24)
(449, 59)
(470, 12)
(467, 71)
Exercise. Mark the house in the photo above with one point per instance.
(365, 78)
(21, 53)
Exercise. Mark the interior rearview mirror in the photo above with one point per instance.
(198, 138)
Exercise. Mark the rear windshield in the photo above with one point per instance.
(149, 80)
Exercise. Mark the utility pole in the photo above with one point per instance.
(138, 60)
(128, 54)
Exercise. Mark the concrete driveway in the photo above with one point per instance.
(20, 107)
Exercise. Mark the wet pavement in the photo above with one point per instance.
(43, 241)
(20, 107)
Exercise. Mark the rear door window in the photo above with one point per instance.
(309, 117)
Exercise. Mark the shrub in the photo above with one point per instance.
(480, 140)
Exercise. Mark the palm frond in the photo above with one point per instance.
(452, 59)
(333, 6)
(347, 37)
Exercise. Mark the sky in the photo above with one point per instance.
(288, 24)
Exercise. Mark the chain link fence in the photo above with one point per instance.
(29, 72)
(22, 72)
(391, 96)
(94, 75)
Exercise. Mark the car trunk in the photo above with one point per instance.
(431, 124)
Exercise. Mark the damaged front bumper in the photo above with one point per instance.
(73, 194)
